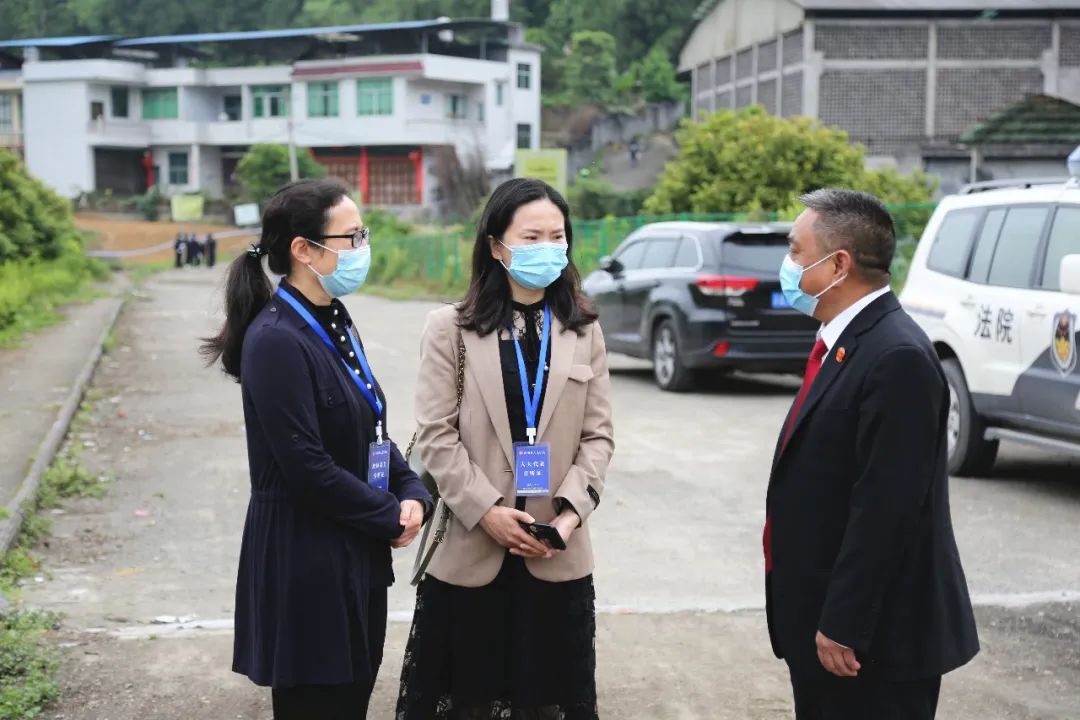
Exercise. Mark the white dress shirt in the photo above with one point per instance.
(831, 331)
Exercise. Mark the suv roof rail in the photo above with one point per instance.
(1010, 183)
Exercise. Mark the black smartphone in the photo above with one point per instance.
(545, 533)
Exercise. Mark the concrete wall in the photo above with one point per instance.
(211, 181)
(58, 151)
(894, 84)
(200, 104)
(770, 72)
(524, 104)
(736, 24)
(954, 173)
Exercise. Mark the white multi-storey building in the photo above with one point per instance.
(375, 104)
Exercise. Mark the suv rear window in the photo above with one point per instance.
(763, 253)
(952, 245)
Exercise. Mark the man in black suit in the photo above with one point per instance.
(865, 596)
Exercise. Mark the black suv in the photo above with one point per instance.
(701, 296)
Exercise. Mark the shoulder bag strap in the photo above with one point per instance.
(441, 517)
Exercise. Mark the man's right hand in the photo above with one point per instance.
(503, 525)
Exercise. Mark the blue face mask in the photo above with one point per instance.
(536, 266)
(791, 274)
(350, 274)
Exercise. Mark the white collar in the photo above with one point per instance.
(831, 331)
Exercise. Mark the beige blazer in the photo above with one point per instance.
(470, 453)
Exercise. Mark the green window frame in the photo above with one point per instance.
(270, 100)
(178, 168)
(322, 99)
(160, 104)
(524, 76)
(375, 96)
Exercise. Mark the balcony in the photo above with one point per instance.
(244, 132)
(116, 132)
(11, 139)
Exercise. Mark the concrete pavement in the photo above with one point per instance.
(681, 632)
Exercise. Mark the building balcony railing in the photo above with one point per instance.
(313, 132)
(11, 139)
(118, 133)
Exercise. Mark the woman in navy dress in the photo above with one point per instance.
(330, 493)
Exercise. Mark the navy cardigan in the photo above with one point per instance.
(317, 536)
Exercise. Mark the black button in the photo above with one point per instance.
(295, 438)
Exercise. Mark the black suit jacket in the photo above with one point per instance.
(862, 539)
(317, 536)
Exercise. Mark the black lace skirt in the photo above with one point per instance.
(517, 648)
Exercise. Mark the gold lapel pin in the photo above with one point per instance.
(840, 355)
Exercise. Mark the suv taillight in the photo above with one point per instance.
(725, 285)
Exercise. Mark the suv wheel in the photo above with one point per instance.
(969, 452)
(670, 373)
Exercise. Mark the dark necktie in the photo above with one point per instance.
(813, 367)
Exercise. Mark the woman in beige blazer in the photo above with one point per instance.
(505, 623)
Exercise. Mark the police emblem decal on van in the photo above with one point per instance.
(1063, 342)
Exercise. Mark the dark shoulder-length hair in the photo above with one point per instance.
(488, 304)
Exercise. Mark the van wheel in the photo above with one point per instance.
(668, 369)
(970, 454)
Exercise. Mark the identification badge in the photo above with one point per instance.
(378, 473)
(532, 469)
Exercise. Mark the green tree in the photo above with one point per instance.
(746, 160)
(590, 68)
(654, 77)
(265, 168)
(641, 25)
(37, 18)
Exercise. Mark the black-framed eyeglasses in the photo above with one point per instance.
(359, 239)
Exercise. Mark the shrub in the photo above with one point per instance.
(148, 204)
(747, 160)
(591, 199)
(265, 168)
(35, 222)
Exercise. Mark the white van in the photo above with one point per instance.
(995, 283)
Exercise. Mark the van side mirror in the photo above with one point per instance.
(611, 266)
(1070, 274)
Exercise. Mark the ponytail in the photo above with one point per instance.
(247, 290)
(297, 210)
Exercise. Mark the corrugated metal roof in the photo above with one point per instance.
(300, 32)
(58, 41)
(939, 5)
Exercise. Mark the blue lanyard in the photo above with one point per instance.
(366, 389)
(532, 400)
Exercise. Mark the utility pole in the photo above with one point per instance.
(294, 166)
